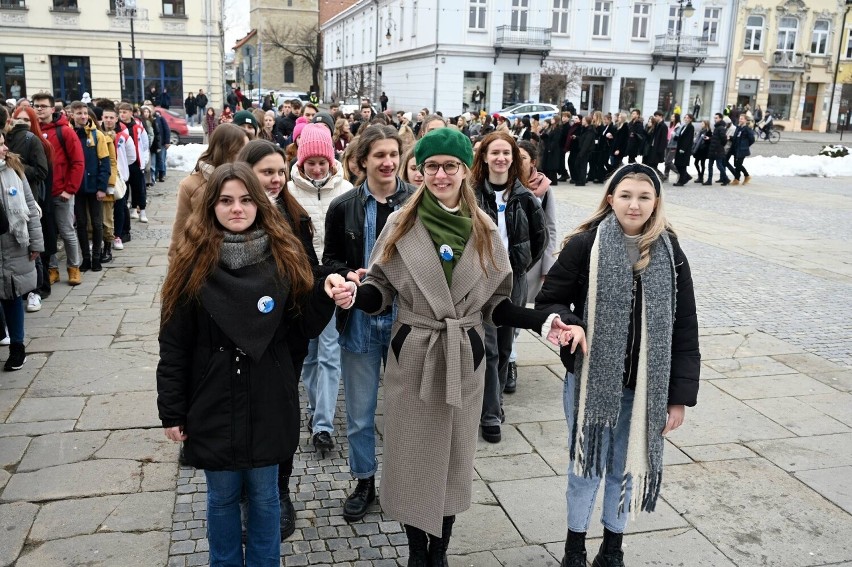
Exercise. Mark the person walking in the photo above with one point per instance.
(716, 153)
(383, 101)
(540, 186)
(190, 106)
(741, 142)
(623, 285)
(240, 286)
(683, 150)
(620, 142)
(659, 139)
(637, 138)
(441, 260)
(701, 150)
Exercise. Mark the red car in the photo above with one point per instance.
(177, 124)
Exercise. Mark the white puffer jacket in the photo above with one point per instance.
(316, 201)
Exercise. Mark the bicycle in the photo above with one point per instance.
(774, 135)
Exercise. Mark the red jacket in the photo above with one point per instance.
(68, 163)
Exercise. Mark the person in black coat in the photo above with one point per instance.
(740, 144)
(565, 121)
(239, 288)
(716, 152)
(659, 141)
(701, 150)
(602, 148)
(191, 108)
(551, 150)
(685, 139)
(620, 142)
(583, 146)
(601, 292)
(636, 139)
(572, 144)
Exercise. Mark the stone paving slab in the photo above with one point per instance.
(805, 453)
(15, 522)
(61, 449)
(101, 371)
(34, 409)
(101, 550)
(838, 406)
(75, 480)
(39, 428)
(12, 449)
(23, 377)
(9, 398)
(832, 483)
(122, 410)
(538, 398)
(68, 518)
(53, 344)
(754, 513)
(483, 528)
(511, 467)
(147, 445)
(745, 367)
(797, 416)
(772, 386)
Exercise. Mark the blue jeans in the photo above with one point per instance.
(13, 311)
(582, 491)
(321, 375)
(360, 373)
(721, 164)
(161, 163)
(224, 534)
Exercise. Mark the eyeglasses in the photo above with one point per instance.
(449, 167)
(41, 106)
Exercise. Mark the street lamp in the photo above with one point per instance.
(836, 69)
(682, 11)
(127, 9)
(248, 53)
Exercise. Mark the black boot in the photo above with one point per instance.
(575, 550)
(511, 379)
(87, 264)
(610, 554)
(418, 553)
(288, 513)
(17, 357)
(96, 261)
(106, 255)
(357, 503)
(438, 545)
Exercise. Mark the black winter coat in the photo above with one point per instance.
(661, 139)
(237, 413)
(742, 141)
(685, 139)
(637, 137)
(190, 106)
(24, 143)
(584, 144)
(567, 284)
(702, 145)
(620, 138)
(525, 224)
(718, 140)
(551, 151)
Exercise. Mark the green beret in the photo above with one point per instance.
(444, 142)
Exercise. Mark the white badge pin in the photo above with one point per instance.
(265, 304)
(446, 252)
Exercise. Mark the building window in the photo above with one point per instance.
(12, 78)
(712, 16)
(72, 76)
(70, 5)
(289, 71)
(401, 22)
(787, 31)
(819, 42)
(780, 99)
(13, 3)
(632, 94)
(516, 88)
(476, 18)
(641, 15)
(174, 8)
(363, 40)
(849, 43)
(600, 20)
(159, 74)
(754, 33)
(560, 16)
(414, 18)
(520, 9)
(674, 22)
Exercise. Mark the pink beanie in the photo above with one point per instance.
(315, 142)
(301, 122)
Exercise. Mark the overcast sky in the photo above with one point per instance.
(236, 21)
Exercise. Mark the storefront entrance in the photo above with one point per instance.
(592, 96)
(809, 111)
(71, 77)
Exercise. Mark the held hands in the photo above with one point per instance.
(340, 290)
(574, 336)
(557, 328)
(675, 419)
(176, 433)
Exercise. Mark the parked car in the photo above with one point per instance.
(528, 109)
(177, 124)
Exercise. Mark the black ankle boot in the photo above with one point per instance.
(418, 553)
(575, 550)
(106, 255)
(288, 516)
(438, 545)
(511, 379)
(357, 503)
(610, 554)
(86, 265)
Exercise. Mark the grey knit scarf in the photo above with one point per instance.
(245, 249)
(599, 384)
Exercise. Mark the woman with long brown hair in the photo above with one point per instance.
(239, 286)
(440, 259)
(499, 179)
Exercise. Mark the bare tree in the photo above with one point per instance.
(303, 42)
(559, 79)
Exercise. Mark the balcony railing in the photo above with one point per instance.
(789, 62)
(527, 38)
(691, 46)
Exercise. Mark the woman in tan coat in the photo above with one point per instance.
(441, 260)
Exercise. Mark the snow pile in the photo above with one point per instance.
(799, 166)
(834, 151)
(184, 158)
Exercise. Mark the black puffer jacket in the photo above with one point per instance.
(237, 412)
(718, 140)
(525, 224)
(24, 143)
(567, 284)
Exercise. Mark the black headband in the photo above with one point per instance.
(625, 170)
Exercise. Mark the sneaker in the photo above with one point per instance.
(117, 244)
(33, 302)
(134, 214)
(17, 357)
(323, 442)
(142, 216)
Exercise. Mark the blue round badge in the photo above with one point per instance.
(446, 252)
(265, 304)
(13, 191)
(501, 208)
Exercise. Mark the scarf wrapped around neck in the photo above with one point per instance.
(447, 229)
(14, 202)
(599, 374)
(538, 183)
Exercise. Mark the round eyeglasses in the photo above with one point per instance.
(449, 167)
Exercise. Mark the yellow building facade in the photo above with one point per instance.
(69, 47)
(783, 59)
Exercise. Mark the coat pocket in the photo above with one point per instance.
(399, 339)
(476, 347)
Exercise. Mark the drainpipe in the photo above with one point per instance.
(435, 79)
(207, 31)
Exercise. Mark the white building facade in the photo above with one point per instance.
(621, 53)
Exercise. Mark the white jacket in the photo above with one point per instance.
(316, 201)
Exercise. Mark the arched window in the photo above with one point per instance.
(289, 72)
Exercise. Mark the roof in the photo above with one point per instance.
(244, 40)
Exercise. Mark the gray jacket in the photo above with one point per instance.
(17, 272)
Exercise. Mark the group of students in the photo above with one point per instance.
(428, 253)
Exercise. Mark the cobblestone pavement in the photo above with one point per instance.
(755, 476)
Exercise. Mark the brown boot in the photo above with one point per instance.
(746, 179)
(53, 274)
(74, 276)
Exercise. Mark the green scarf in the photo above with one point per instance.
(446, 229)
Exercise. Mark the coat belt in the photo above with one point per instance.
(451, 330)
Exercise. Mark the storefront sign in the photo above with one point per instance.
(781, 87)
(748, 87)
(596, 71)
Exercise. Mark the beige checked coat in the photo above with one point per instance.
(435, 373)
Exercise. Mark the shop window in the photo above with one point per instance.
(754, 33)
(72, 77)
(516, 88)
(12, 78)
(699, 101)
(472, 80)
(747, 92)
(159, 73)
(780, 99)
(632, 94)
(670, 97)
